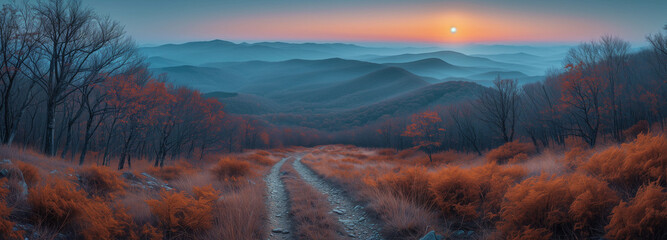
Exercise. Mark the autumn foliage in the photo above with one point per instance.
(231, 169)
(101, 181)
(511, 152)
(30, 173)
(180, 214)
(59, 204)
(570, 206)
(632, 164)
(408, 183)
(6, 225)
(171, 172)
(643, 217)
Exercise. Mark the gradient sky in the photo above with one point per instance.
(477, 21)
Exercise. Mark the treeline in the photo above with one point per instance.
(74, 85)
(604, 92)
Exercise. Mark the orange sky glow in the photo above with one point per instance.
(477, 25)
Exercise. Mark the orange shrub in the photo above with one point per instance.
(59, 205)
(576, 157)
(511, 152)
(6, 225)
(30, 173)
(456, 192)
(474, 194)
(632, 164)
(494, 181)
(386, 152)
(101, 181)
(169, 173)
(260, 157)
(231, 169)
(644, 217)
(351, 160)
(402, 218)
(56, 202)
(206, 193)
(181, 215)
(571, 206)
(641, 127)
(408, 183)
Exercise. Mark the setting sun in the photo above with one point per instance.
(453, 30)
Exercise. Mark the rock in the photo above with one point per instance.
(339, 211)
(351, 235)
(280, 230)
(53, 171)
(130, 176)
(10, 171)
(431, 236)
(459, 233)
(362, 219)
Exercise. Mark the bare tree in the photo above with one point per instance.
(79, 48)
(18, 41)
(465, 126)
(498, 106)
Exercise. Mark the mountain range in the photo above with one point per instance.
(334, 85)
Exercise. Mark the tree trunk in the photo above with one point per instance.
(49, 136)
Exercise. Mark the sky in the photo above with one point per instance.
(415, 21)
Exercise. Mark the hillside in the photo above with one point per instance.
(366, 89)
(456, 58)
(204, 79)
(407, 103)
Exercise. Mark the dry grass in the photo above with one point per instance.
(240, 215)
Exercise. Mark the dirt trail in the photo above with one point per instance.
(279, 221)
(353, 217)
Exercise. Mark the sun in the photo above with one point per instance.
(453, 30)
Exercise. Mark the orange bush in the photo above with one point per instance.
(511, 152)
(576, 157)
(494, 181)
(632, 164)
(30, 173)
(101, 181)
(6, 225)
(58, 204)
(260, 157)
(411, 183)
(169, 173)
(571, 206)
(641, 127)
(402, 218)
(644, 217)
(456, 193)
(181, 215)
(231, 169)
(386, 152)
(206, 193)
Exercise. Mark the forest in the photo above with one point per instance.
(98, 144)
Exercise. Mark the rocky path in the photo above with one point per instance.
(279, 221)
(353, 217)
